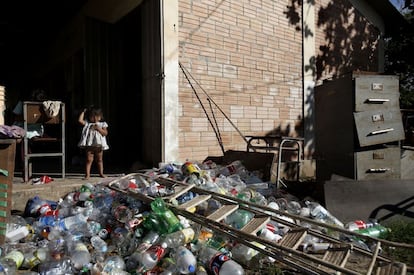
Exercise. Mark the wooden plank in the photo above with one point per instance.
(293, 238)
(194, 202)
(255, 224)
(223, 212)
(392, 269)
(178, 191)
(337, 254)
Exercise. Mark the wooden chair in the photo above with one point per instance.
(34, 113)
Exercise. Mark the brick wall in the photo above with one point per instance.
(248, 58)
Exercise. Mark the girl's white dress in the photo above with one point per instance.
(91, 137)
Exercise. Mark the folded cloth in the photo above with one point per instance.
(51, 107)
(13, 131)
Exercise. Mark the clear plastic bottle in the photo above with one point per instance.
(11, 262)
(236, 167)
(150, 258)
(360, 224)
(122, 213)
(269, 235)
(114, 264)
(80, 256)
(166, 215)
(239, 218)
(219, 263)
(293, 207)
(34, 258)
(148, 240)
(243, 253)
(319, 212)
(181, 237)
(59, 266)
(72, 221)
(168, 266)
(16, 229)
(186, 262)
(99, 244)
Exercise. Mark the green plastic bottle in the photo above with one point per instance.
(165, 215)
(377, 231)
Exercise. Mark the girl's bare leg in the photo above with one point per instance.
(88, 165)
(99, 162)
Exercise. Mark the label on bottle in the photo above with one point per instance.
(16, 256)
(217, 261)
(188, 234)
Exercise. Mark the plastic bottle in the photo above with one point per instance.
(293, 207)
(360, 224)
(148, 240)
(57, 248)
(377, 231)
(316, 247)
(219, 263)
(269, 235)
(113, 265)
(150, 258)
(243, 253)
(236, 167)
(189, 168)
(99, 244)
(318, 212)
(34, 258)
(168, 267)
(201, 270)
(123, 240)
(16, 229)
(33, 205)
(186, 262)
(166, 215)
(60, 266)
(181, 237)
(259, 199)
(239, 218)
(11, 262)
(72, 221)
(80, 255)
(122, 213)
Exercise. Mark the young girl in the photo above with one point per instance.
(93, 138)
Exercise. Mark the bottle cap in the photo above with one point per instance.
(191, 268)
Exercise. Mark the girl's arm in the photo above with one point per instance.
(102, 131)
(81, 118)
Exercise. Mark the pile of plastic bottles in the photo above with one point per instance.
(96, 230)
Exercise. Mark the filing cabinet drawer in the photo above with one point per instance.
(378, 126)
(378, 164)
(374, 92)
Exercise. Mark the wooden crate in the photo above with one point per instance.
(7, 158)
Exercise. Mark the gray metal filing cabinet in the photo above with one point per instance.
(358, 127)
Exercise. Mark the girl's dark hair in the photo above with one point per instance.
(94, 111)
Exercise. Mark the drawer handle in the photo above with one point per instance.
(381, 131)
(377, 100)
(378, 170)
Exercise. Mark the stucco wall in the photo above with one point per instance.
(347, 41)
(245, 55)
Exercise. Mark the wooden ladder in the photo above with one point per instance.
(286, 250)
